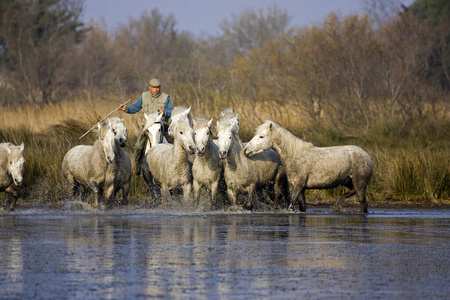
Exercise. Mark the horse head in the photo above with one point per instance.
(180, 114)
(15, 163)
(153, 128)
(224, 138)
(227, 128)
(231, 118)
(120, 131)
(261, 141)
(107, 138)
(202, 132)
(184, 134)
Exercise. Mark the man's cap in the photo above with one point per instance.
(154, 83)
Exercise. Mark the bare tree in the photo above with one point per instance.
(39, 40)
(252, 29)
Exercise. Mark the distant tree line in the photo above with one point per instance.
(348, 70)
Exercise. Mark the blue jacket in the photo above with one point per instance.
(137, 106)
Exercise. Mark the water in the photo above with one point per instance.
(132, 254)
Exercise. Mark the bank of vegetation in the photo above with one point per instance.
(380, 81)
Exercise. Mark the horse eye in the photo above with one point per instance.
(181, 132)
(261, 136)
(195, 133)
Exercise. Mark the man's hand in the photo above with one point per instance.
(161, 111)
(123, 107)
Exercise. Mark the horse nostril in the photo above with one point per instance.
(222, 153)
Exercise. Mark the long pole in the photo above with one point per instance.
(103, 119)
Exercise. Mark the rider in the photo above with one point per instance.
(149, 102)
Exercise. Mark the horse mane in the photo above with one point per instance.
(224, 123)
(177, 111)
(288, 141)
(228, 112)
(115, 120)
(101, 131)
(7, 145)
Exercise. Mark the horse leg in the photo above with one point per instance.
(340, 200)
(164, 193)
(97, 193)
(250, 197)
(75, 188)
(214, 188)
(109, 195)
(85, 191)
(361, 193)
(232, 196)
(298, 196)
(15, 194)
(187, 193)
(125, 191)
(196, 186)
(278, 189)
(286, 193)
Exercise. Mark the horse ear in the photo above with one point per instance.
(21, 147)
(210, 122)
(145, 116)
(187, 111)
(270, 125)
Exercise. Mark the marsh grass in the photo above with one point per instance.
(412, 163)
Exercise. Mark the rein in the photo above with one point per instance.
(160, 129)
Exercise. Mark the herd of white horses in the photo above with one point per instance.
(274, 167)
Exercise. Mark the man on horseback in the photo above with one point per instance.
(149, 102)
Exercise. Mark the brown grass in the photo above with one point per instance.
(412, 166)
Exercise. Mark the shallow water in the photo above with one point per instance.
(138, 253)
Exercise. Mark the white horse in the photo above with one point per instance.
(207, 167)
(153, 130)
(244, 174)
(179, 113)
(11, 171)
(122, 161)
(168, 163)
(88, 165)
(310, 167)
(231, 118)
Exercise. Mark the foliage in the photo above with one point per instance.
(437, 14)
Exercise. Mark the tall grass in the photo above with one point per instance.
(409, 165)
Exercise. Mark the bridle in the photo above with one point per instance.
(160, 130)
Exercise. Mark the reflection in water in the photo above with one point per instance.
(215, 255)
